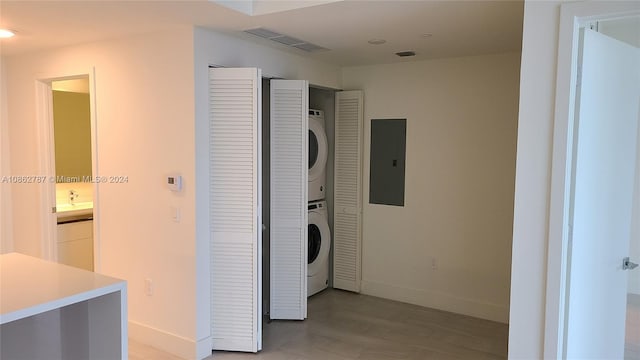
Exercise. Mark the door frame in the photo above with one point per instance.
(46, 154)
(573, 16)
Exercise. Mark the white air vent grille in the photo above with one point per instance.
(308, 47)
(285, 39)
(262, 32)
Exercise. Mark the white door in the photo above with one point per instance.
(235, 208)
(289, 180)
(347, 220)
(604, 168)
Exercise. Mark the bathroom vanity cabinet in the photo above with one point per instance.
(75, 243)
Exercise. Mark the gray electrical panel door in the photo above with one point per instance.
(388, 150)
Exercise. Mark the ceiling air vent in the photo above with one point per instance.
(285, 40)
(406, 53)
(309, 47)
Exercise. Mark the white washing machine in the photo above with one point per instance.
(319, 246)
(318, 152)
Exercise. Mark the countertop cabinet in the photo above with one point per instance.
(75, 244)
(52, 311)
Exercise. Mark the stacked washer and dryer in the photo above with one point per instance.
(319, 232)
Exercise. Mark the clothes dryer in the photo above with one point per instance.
(318, 152)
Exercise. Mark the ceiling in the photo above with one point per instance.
(458, 28)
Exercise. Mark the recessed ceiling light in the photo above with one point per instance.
(5, 33)
(377, 41)
(426, 35)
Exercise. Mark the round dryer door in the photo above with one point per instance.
(319, 242)
(318, 149)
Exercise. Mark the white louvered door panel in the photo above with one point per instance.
(289, 182)
(347, 221)
(235, 209)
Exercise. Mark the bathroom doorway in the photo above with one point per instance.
(68, 137)
(71, 107)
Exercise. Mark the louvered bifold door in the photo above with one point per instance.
(235, 208)
(289, 182)
(347, 221)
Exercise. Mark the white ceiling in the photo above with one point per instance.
(459, 28)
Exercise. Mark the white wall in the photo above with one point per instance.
(6, 237)
(531, 211)
(145, 112)
(461, 139)
(212, 48)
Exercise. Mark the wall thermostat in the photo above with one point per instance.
(174, 182)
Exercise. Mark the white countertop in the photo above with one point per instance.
(30, 286)
(76, 209)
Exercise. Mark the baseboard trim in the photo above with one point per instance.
(167, 342)
(438, 301)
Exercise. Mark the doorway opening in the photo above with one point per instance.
(67, 130)
(71, 107)
(595, 194)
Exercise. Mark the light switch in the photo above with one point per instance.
(175, 214)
